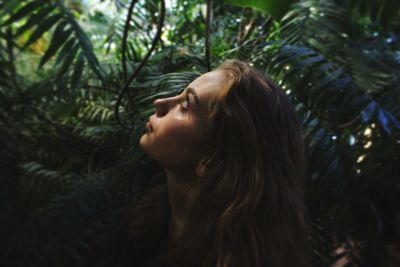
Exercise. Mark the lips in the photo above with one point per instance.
(148, 127)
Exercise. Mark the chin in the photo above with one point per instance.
(143, 143)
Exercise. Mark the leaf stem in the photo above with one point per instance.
(142, 63)
(125, 38)
(208, 31)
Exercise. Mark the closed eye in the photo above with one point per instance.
(186, 104)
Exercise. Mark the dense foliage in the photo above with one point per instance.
(77, 82)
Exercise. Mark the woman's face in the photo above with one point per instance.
(175, 130)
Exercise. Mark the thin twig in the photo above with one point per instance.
(246, 27)
(88, 86)
(264, 29)
(142, 63)
(346, 124)
(208, 31)
(125, 38)
(249, 28)
(11, 59)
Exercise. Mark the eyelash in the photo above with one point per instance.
(186, 106)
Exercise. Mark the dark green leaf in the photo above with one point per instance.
(25, 10)
(65, 50)
(275, 8)
(35, 19)
(68, 60)
(59, 37)
(43, 27)
(86, 46)
(369, 111)
(76, 76)
(384, 120)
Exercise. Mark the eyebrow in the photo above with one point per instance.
(190, 90)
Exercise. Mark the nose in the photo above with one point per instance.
(162, 106)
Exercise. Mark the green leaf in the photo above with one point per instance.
(24, 11)
(275, 8)
(35, 19)
(59, 37)
(64, 51)
(43, 27)
(68, 60)
(87, 48)
(76, 76)
(8, 6)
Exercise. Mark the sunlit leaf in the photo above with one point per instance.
(25, 10)
(275, 8)
(35, 19)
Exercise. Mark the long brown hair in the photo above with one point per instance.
(247, 208)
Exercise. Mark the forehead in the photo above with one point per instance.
(210, 86)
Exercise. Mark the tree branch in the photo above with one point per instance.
(142, 63)
(11, 58)
(208, 31)
(125, 38)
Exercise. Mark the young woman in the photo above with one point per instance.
(232, 149)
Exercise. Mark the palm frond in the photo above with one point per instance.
(68, 40)
(319, 24)
(327, 90)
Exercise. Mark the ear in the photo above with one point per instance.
(201, 168)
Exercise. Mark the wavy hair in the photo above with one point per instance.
(247, 208)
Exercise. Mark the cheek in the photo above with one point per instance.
(171, 143)
(179, 138)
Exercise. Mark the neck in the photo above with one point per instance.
(178, 185)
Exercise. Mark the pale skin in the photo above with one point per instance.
(177, 127)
